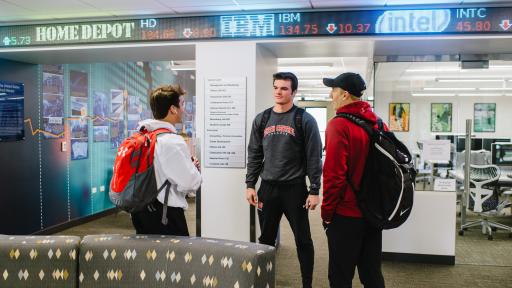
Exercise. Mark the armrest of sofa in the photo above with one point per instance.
(38, 261)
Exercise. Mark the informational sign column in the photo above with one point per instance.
(225, 113)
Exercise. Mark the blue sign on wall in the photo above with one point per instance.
(11, 111)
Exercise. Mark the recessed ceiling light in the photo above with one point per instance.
(433, 94)
(449, 88)
(469, 80)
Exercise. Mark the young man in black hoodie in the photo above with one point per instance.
(284, 147)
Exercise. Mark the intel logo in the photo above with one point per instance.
(413, 21)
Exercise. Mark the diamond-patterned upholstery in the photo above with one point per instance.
(38, 261)
(170, 261)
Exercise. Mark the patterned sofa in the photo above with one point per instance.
(133, 261)
(39, 261)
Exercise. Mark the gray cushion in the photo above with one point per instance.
(38, 261)
(169, 261)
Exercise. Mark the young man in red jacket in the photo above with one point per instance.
(352, 240)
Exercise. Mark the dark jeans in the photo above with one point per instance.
(288, 199)
(149, 221)
(354, 242)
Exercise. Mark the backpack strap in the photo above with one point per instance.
(264, 120)
(299, 115)
(167, 186)
(363, 123)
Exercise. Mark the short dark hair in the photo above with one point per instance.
(163, 97)
(287, 76)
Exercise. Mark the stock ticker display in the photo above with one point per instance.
(266, 25)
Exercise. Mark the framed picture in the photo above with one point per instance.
(399, 114)
(484, 117)
(441, 117)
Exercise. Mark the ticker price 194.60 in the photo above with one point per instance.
(16, 41)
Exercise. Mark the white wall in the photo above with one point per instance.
(224, 210)
(419, 125)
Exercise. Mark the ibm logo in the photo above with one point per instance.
(260, 25)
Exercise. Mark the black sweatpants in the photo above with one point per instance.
(288, 198)
(354, 242)
(149, 220)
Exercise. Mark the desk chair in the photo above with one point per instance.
(483, 198)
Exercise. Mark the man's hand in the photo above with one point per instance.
(196, 163)
(312, 202)
(250, 195)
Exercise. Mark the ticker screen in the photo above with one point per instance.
(267, 25)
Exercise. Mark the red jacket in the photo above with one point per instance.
(346, 150)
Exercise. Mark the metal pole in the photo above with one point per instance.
(465, 195)
(198, 192)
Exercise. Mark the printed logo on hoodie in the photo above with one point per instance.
(279, 130)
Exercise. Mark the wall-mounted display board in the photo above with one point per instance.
(225, 114)
(12, 97)
(478, 20)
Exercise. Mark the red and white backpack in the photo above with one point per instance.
(133, 185)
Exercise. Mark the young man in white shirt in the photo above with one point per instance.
(172, 162)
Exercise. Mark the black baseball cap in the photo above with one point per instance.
(348, 81)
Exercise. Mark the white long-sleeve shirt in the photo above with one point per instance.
(172, 161)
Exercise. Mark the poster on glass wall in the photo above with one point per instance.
(485, 117)
(441, 117)
(117, 134)
(100, 108)
(78, 84)
(53, 101)
(100, 133)
(399, 114)
(117, 104)
(79, 149)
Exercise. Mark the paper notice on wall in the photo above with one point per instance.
(225, 113)
(436, 150)
(444, 184)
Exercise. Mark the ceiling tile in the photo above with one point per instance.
(256, 2)
(278, 5)
(7, 9)
(127, 5)
(205, 9)
(347, 3)
(489, 2)
(53, 6)
(140, 12)
(423, 2)
(191, 3)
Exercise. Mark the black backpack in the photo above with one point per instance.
(387, 187)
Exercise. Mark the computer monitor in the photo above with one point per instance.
(489, 141)
(502, 154)
(446, 137)
(476, 144)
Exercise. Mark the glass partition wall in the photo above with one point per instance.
(426, 104)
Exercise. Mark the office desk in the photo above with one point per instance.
(503, 181)
(428, 235)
